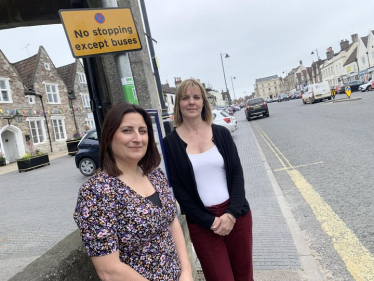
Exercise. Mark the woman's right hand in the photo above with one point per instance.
(216, 224)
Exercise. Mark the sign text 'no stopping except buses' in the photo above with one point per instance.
(93, 32)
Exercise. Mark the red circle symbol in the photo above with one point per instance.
(99, 18)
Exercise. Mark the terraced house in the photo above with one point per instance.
(57, 108)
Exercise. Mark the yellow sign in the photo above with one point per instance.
(93, 32)
(348, 91)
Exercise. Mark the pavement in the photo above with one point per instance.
(13, 166)
(279, 251)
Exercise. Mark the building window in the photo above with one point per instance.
(82, 78)
(85, 100)
(59, 128)
(37, 130)
(31, 99)
(5, 91)
(363, 60)
(90, 123)
(275, 88)
(52, 93)
(47, 66)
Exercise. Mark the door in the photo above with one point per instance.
(10, 146)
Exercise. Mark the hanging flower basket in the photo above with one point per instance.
(29, 163)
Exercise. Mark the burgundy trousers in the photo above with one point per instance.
(225, 258)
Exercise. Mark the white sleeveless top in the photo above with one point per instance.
(210, 176)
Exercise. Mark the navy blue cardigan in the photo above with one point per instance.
(183, 179)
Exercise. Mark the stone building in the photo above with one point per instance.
(45, 130)
(268, 87)
(79, 99)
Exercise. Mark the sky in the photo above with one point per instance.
(262, 38)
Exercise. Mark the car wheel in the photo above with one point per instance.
(304, 101)
(369, 88)
(267, 114)
(329, 98)
(87, 166)
(248, 118)
(312, 101)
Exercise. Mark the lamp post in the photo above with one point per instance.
(285, 78)
(312, 53)
(233, 86)
(31, 92)
(223, 68)
(18, 117)
(318, 66)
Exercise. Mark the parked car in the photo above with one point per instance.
(256, 107)
(87, 157)
(220, 118)
(283, 97)
(316, 92)
(233, 119)
(353, 84)
(269, 100)
(366, 87)
(296, 95)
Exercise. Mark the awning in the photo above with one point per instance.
(371, 69)
(363, 72)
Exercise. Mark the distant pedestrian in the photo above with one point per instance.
(126, 212)
(207, 180)
(86, 128)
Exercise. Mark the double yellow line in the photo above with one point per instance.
(358, 260)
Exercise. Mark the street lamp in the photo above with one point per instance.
(233, 86)
(18, 117)
(286, 79)
(312, 53)
(31, 92)
(223, 68)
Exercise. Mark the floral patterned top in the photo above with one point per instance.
(113, 217)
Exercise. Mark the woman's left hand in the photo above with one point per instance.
(186, 275)
(226, 225)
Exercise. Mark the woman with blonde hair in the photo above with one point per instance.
(207, 180)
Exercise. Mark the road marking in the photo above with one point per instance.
(358, 260)
(300, 166)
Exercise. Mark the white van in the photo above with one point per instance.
(315, 92)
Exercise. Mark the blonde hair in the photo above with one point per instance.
(206, 113)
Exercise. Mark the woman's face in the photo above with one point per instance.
(191, 103)
(130, 141)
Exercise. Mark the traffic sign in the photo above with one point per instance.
(348, 91)
(93, 32)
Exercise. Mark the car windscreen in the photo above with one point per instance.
(255, 101)
(224, 113)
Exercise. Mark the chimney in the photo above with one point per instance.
(177, 81)
(354, 38)
(301, 62)
(344, 44)
(329, 53)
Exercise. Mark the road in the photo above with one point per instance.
(322, 157)
(36, 212)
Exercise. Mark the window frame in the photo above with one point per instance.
(85, 96)
(82, 78)
(62, 119)
(9, 92)
(90, 122)
(47, 65)
(43, 133)
(48, 93)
